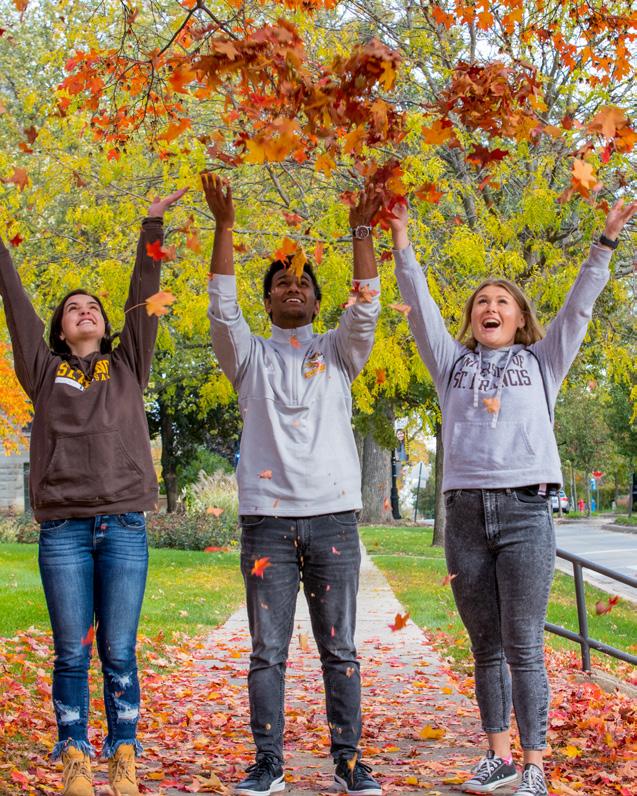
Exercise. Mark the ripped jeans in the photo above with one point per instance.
(94, 569)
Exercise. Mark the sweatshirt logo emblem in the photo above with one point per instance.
(73, 377)
(313, 364)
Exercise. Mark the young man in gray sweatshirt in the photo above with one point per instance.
(299, 483)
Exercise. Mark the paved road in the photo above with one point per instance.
(611, 549)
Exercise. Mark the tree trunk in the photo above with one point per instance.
(440, 513)
(588, 495)
(376, 482)
(168, 458)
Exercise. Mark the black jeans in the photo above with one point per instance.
(324, 552)
(501, 546)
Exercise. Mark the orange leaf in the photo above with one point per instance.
(193, 243)
(399, 622)
(386, 504)
(405, 309)
(260, 566)
(325, 163)
(216, 512)
(158, 303)
(448, 578)
(439, 132)
(174, 130)
(492, 405)
(88, 638)
(380, 376)
(298, 262)
(318, 252)
(19, 178)
(608, 121)
(287, 248)
(265, 474)
(428, 193)
(294, 341)
(583, 174)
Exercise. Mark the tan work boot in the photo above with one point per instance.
(121, 771)
(77, 777)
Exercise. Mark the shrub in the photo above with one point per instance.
(194, 531)
(215, 491)
(203, 459)
(19, 528)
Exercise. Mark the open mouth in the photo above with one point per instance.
(293, 301)
(86, 322)
(490, 323)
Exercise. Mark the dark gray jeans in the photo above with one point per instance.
(501, 546)
(324, 552)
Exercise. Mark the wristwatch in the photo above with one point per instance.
(612, 244)
(361, 232)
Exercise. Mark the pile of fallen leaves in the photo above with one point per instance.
(420, 731)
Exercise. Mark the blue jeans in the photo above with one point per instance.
(323, 552)
(94, 569)
(501, 546)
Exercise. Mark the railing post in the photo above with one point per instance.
(582, 619)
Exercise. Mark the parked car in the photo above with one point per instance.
(560, 500)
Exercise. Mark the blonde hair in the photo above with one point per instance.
(532, 330)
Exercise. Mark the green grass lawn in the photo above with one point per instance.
(187, 591)
(415, 571)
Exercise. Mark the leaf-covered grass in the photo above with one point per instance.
(624, 519)
(415, 571)
(187, 591)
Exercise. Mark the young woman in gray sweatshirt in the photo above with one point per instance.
(497, 388)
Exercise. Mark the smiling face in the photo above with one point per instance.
(292, 302)
(495, 317)
(83, 325)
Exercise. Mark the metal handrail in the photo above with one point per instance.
(582, 638)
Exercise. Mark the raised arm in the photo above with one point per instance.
(231, 336)
(354, 337)
(437, 347)
(138, 336)
(565, 333)
(30, 352)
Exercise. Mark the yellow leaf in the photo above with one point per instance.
(325, 163)
(572, 751)
(429, 732)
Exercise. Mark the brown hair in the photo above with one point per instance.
(532, 330)
(59, 346)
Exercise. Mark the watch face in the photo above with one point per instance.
(361, 232)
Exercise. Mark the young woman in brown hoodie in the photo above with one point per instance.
(91, 479)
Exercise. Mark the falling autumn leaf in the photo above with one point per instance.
(16, 240)
(386, 504)
(381, 376)
(492, 405)
(158, 303)
(19, 178)
(602, 607)
(216, 512)
(260, 566)
(583, 174)
(265, 474)
(399, 622)
(89, 637)
(156, 251)
(448, 578)
(294, 341)
(404, 309)
(304, 642)
(298, 262)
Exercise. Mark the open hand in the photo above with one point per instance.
(159, 205)
(618, 216)
(366, 208)
(218, 195)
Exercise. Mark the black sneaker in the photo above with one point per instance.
(264, 777)
(353, 776)
(533, 782)
(491, 773)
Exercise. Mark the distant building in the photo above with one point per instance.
(12, 481)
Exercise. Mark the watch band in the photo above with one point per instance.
(361, 232)
(612, 244)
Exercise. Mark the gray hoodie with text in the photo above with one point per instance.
(515, 445)
(298, 454)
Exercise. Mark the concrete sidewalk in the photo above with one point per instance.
(419, 733)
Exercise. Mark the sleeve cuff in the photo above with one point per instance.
(223, 285)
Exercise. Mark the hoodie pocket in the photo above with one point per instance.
(89, 469)
(479, 447)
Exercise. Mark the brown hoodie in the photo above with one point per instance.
(90, 449)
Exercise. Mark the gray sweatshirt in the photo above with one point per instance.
(298, 454)
(514, 446)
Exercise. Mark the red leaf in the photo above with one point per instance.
(16, 240)
(89, 637)
(156, 251)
